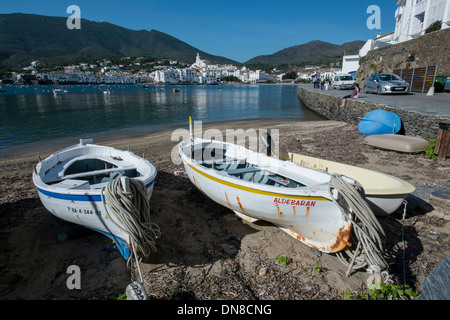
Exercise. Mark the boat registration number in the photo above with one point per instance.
(84, 211)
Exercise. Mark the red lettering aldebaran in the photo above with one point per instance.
(293, 202)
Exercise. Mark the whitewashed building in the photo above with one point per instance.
(258, 76)
(185, 75)
(414, 16)
(350, 63)
(200, 63)
(166, 76)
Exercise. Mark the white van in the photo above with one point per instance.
(343, 81)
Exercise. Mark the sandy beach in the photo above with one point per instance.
(205, 251)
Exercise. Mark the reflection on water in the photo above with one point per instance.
(33, 113)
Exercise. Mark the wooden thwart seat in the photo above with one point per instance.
(92, 173)
(242, 170)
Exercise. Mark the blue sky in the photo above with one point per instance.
(239, 30)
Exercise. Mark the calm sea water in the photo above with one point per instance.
(31, 114)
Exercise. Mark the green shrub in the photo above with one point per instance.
(123, 297)
(383, 291)
(435, 26)
(429, 150)
(282, 260)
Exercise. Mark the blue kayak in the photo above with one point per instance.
(380, 122)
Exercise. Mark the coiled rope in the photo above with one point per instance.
(132, 211)
(367, 230)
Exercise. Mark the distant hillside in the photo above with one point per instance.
(311, 52)
(27, 37)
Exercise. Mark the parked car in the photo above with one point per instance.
(385, 83)
(343, 81)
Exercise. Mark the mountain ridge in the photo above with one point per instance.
(26, 37)
(308, 52)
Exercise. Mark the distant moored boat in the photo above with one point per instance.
(58, 91)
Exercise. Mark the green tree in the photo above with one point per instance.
(290, 75)
(231, 79)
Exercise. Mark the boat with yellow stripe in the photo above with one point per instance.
(297, 199)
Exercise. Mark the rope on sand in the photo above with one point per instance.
(132, 210)
(128, 200)
(366, 228)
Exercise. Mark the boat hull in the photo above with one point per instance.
(308, 214)
(78, 196)
(395, 142)
(380, 122)
(88, 211)
(384, 193)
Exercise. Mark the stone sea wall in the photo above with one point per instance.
(328, 106)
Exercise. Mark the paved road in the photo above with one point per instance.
(436, 105)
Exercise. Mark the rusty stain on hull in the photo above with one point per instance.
(342, 239)
(293, 208)
(196, 182)
(240, 205)
(228, 201)
(340, 243)
(296, 235)
(307, 211)
(280, 213)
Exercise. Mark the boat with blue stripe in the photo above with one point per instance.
(72, 183)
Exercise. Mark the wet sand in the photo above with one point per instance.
(205, 251)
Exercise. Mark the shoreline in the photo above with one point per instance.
(108, 137)
(140, 85)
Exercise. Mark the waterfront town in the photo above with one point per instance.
(163, 71)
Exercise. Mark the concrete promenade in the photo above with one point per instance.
(437, 105)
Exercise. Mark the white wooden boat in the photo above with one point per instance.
(295, 198)
(71, 183)
(384, 193)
